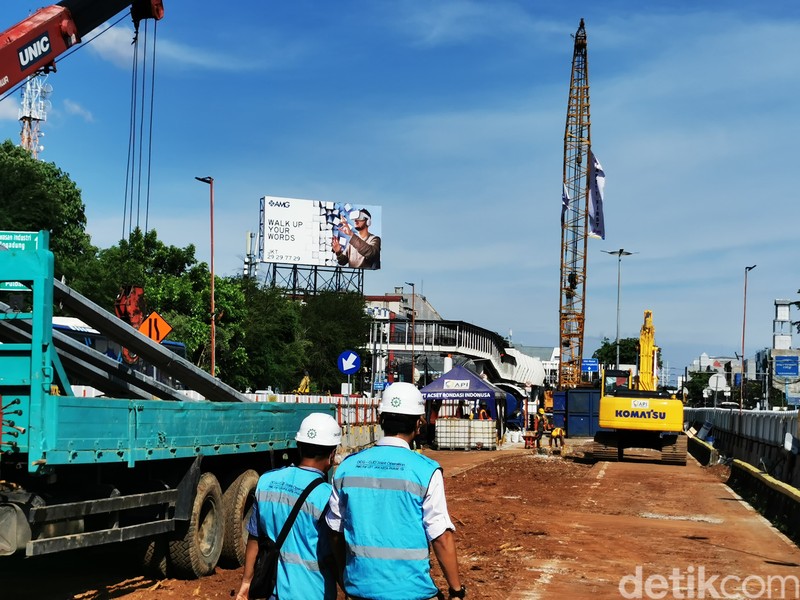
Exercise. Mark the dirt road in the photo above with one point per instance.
(529, 526)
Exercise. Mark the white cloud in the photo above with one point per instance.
(73, 108)
(9, 109)
(115, 46)
(454, 22)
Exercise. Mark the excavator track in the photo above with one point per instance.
(606, 446)
(674, 452)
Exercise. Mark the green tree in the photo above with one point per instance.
(37, 195)
(628, 352)
(142, 260)
(332, 323)
(694, 386)
(175, 285)
(268, 348)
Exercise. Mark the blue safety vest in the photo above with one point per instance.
(303, 570)
(381, 491)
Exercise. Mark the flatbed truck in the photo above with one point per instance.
(144, 462)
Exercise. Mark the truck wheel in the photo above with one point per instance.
(154, 556)
(197, 553)
(237, 504)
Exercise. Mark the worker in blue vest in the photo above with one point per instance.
(306, 568)
(388, 508)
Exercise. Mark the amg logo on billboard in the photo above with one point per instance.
(277, 204)
(456, 384)
(34, 51)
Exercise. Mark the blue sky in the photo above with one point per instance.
(450, 115)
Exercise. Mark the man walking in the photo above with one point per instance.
(388, 506)
(306, 570)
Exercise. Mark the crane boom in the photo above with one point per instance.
(33, 45)
(577, 145)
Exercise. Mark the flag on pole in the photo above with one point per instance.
(597, 183)
(564, 201)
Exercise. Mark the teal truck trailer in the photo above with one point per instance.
(143, 461)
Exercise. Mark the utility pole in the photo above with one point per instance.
(619, 254)
(413, 329)
(212, 369)
(744, 324)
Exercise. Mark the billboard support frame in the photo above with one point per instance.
(301, 280)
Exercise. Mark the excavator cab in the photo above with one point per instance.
(614, 380)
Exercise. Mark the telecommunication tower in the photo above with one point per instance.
(33, 112)
(575, 199)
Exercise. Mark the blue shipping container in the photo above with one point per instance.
(580, 426)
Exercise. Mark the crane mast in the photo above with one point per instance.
(577, 145)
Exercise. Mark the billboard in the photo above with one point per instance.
(321, 233)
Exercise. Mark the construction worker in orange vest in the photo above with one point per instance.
(540, 424)
(483, 413)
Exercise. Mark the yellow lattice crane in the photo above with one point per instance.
(575, 199)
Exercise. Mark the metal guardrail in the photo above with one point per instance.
(765, 426)
(350, 410)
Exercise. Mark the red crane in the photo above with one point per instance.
(32, 46)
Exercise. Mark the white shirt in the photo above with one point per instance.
(435, 518)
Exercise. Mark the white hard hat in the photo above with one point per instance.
(403, 399)
(319, 429)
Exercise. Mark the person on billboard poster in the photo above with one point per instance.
(363, 250)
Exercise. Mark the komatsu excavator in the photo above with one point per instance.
(638, 415)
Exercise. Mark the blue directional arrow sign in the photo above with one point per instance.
(349, 362)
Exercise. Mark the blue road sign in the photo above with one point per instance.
(590, 365)
(787, 366)
(349, 362)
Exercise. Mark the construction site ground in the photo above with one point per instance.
(529, 526)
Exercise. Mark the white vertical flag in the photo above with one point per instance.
(564, 201)
(597, 183)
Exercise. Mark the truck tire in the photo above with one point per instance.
(237, 504)
(197, 552)
(154, 556)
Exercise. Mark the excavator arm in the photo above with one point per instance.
(648, 354)
(33, 45)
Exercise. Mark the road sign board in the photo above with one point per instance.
(787, 366)
(349, 362)
(717, 382)
(155, 327)
(590, 365)
(27, 241)
(379, 386)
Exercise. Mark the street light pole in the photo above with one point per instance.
(619, 254)
(413, 328)
(744, 324)
(213, 367)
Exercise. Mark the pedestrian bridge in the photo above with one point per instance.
(456, 338)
